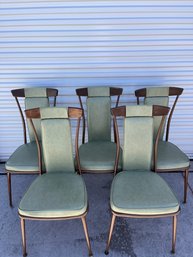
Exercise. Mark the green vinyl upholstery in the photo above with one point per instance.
(142, 193)
(56, 140)
(60, 192)
(171, 157)
(55, 195)
(158, 96)
(24, 159)
(98, 156)
(98, 114)
(137, 190)
(34, 98)
(138, 136)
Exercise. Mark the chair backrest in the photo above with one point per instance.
(160, 96)
(138, 144)
(33, 98)
(98, 111)
(56, 136)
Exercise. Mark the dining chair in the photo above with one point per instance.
(24, 159)
(98, 153)
(138, 192)
(60, 193)
(169, 157)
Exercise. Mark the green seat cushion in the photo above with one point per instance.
(142, 193)
(171, 157)
(55, 195)
(98, 156)
(24, 159)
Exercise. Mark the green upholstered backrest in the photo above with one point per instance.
(98, 114)
(138, 138)
(56, 140)
(157, 96)
(34, 98)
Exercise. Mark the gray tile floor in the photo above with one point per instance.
(131, 237)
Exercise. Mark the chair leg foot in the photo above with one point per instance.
(86, 235)
(174, 228)
(23, 237)
(186, 184)
(9, 189)
(110, 234)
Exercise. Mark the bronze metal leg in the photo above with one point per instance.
(174, 226)
(23, 237)
(110, 233)
(86, 235)
(185, 184)
(9, 188)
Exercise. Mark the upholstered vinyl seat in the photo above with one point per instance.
(171, 157)
(149, 195)
(55, 195)
(98, 156)
(24, 159)
(138, 192)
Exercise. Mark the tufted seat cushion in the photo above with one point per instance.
(142, 193)
(55, 195)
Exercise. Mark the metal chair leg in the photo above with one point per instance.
(86, 235)
(9, 188)
(110, 233)
(23, 237)
(174, 227)
(186, 184)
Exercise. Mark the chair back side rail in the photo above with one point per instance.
(173, 91)
(51, 92)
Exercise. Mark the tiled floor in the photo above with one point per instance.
(131, 237)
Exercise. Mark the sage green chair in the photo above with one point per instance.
(60, 193)
(169, 157)
(138, 192)
(24, 160)
(98, 154)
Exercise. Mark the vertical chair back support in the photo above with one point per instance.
(159, 96)
(98, 111)
(98, 114)
(56, 136)
(34, 98)
(138, 148)
(138, 135)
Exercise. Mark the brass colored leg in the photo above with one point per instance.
(174, 226)
(110, 233)
(86, 235)
(185, 185)
(23, 237)
(9, 188)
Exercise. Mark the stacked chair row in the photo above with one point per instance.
(136, 191)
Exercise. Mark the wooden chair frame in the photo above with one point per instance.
(35, 114)
(17, 93)
(81, 92)
(121, 112)
(173, 91)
